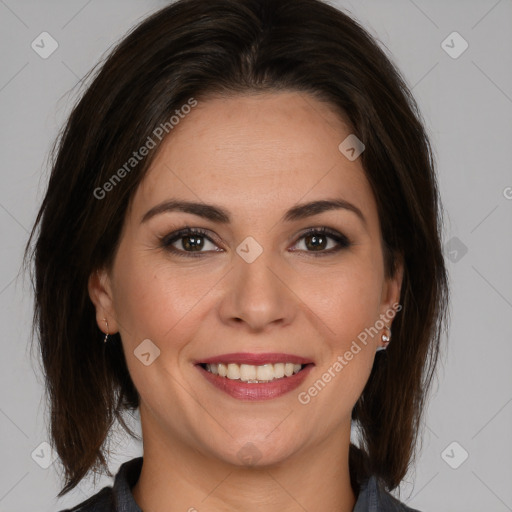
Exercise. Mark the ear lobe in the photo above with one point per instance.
(100, 293)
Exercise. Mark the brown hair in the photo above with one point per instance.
(194, 48)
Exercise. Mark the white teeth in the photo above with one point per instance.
(222, 369)
(247, 372)
(233, 371)
(265, 372)
(279, 370)
(254, 374)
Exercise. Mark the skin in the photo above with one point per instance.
(256, 156)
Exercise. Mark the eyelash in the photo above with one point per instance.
(167, 241)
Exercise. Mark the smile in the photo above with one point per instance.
(250, 377)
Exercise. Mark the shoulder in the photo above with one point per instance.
(99, 502)
(116, 498)
(374, 498)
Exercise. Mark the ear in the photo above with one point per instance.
(100, 292)
(391, 289)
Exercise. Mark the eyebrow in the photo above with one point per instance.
(222, 216)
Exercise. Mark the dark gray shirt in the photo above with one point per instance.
(119, 498)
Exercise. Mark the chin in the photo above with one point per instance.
(258, 452)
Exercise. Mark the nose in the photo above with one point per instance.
(258, 294)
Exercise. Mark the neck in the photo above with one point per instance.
(176, 477)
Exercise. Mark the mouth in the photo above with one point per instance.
(255, 376)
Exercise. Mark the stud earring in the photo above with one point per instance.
(385, 339)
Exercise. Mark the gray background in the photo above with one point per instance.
(467, 106)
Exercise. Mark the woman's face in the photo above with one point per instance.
(253, 284)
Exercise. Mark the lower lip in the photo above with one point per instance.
(252, 392)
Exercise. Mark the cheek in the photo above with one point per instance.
(348, 306)
(347, 299)
(156, 301)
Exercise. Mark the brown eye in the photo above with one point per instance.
(192, 242)
(323, 241)
(315, 242)
(189, 242)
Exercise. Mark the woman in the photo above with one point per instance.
(242, 215)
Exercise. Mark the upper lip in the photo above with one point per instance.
(255, 359)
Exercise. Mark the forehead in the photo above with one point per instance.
(254, 152)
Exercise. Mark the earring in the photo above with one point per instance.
(106, 335)
(385, 339)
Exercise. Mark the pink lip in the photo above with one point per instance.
(252, 392)
(255, 359)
